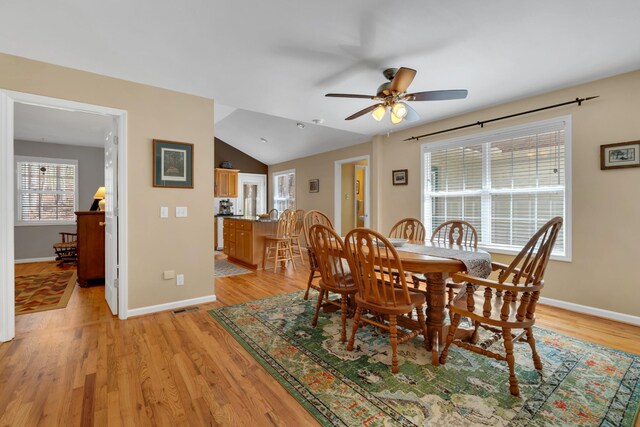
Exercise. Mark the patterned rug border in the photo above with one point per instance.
(64, 299)
(263, 359)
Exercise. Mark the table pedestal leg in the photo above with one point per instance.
(436, 302)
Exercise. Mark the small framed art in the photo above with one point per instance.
(400, 177)
(314, 186)
(172, 164)
(620, 155)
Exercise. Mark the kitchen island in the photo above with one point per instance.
(244, 239)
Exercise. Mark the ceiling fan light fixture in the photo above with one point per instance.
(399, 110)
(395, 119)
(378, 113)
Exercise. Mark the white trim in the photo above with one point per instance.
(337, 190)
(593, 311)
(273, 182)
(28, 260)
(171, 305)
(7, 210)
(7, 285)
(261, 178)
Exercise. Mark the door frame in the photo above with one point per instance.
(337, 191)
(7, 286)
(355, 193)
(262, 179)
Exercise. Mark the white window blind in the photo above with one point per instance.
(284, 194)
(506, 184)
(46, 190)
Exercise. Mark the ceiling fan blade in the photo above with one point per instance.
(437, 95)
(349, 95)
(412, 115)
(363, 112)
(402, 80)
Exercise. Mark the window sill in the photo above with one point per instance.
(513, 252)
(44, 223)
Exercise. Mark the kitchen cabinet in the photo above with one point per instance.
(244, 239)
(225, 182)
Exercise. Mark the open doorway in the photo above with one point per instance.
(351, 194)
(59, 156)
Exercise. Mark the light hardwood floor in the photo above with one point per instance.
(82, 366)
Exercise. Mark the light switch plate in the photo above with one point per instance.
(181, 211)
(168, 274)
(164, 212)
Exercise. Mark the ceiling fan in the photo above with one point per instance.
(393, 95)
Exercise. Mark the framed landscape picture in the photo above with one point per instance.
(400, 177)
(620, 155)
(172, 164)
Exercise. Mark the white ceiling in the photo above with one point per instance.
(59, 126)
(280, 57)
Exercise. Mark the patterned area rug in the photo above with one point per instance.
(581, 383)
(225, 268)
(42, 292)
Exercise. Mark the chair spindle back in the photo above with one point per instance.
(456, 232)
(408, 228)
(329, 252)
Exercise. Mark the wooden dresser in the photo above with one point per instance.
(90, 247)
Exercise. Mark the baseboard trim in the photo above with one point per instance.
(28, 260)
(593, 311)
(170, 306)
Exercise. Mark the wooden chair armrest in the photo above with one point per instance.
(498, 266)
(464, 277)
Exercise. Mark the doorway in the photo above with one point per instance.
(352, 194)
(252, 194)
(115, 180)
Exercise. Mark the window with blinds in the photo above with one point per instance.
(284, 193)
(506, 183)
(46, 190)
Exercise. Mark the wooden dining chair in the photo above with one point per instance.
(519, 285)
(298, 229)
(277, 247)
(310, 219)
(335, 274)
(408, 228)
(67, 249)
(373, 259)
(454, 232)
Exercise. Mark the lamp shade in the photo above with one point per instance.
(99, 194)
(378, 113)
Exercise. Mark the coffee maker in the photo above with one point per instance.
(226, 207)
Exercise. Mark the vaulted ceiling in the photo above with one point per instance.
(278, 58)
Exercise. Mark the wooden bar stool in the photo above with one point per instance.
(278, 247)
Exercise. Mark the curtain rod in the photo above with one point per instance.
(578, 101)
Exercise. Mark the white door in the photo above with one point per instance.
(111, 219)
(252, 194)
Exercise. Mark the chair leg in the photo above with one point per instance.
(356, 325)
(293, 261)
(511, 360)
(532, 343)
(275, 261)
(314, 322)
(423, 325)
(311, 272)
(450, 296)
(393, 332)
(343, 318)
(297, 239)
(476, 334)
(264, 254)
(452, 333)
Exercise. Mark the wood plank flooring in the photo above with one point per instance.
(82, 366)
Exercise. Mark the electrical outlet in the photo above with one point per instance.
(181, 211)
(180, 279)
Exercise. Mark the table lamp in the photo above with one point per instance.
(98, 200)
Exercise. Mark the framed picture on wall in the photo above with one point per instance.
(620, 155)
(314, 186)
(172, 164)
(400, 177)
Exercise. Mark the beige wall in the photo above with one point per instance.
(184, 245)
(322, 167)
(606, 206)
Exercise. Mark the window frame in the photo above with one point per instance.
(510, 132)
(275, 176)
(34, 159)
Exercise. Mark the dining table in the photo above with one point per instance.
(438, 261)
